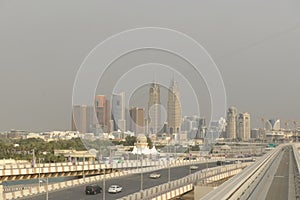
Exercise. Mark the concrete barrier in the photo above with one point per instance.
(64, 168)
(59, 167)
(181, 186)
(236, 187)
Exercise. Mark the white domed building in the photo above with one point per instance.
(141, 146)
(141, 141)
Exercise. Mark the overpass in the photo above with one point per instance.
(264, 174)
(26, 171)
(274, 177)
(130, 181)
(19, 172)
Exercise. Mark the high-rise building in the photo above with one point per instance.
(255, 133)
(243, 126)
(273, 125)
(102, 108)
(201, 131)
(154, 112)
(137, 121)
(83, 118)
(174, 110)
(118, 111)
(231, 123)
(108, 116)
(195, 126)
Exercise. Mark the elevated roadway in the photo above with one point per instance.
(274, 177)
(131, 184)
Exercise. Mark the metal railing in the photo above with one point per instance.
(181, 185)
(238, 185)
(297, 174)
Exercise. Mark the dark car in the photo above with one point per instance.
(93, 189)
(226, 162)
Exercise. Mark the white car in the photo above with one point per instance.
(193, 167)
(154, 175)
(114, 189)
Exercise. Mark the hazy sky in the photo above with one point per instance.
(254, 43)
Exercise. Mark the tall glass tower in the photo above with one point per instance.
(154, 111)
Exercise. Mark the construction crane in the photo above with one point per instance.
(286, 124)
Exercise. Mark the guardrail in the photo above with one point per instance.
(297, 156)
(72, 183)
(57, 186)
(65, 164)
(178, 187)
(238, 185)
(66, 168)
(297, 175)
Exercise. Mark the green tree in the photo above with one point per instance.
(130, 141)
(149, 141)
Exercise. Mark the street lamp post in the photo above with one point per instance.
(142, 176)
(33, 158)
(104, 183)
(39, 172)
(190, 158)
(169, 168)
(83, 176)
(100, 158)
(47, 191)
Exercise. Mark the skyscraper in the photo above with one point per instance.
(201, 131)
(231, 123)
(243, 126)
(174, 110)
(118, 111)
(273, 125)
(154, 112)
(102, 108)
(137, 121)
(83, 118)
(108, 116)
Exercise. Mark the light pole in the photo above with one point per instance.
(175, 152)
(169, 168)
(33, 158)
(83, 176)
(190, 158)
(110, 160)
(39, 172)
(100, 158)
(104, 183)
(142, 176)
(47, 191)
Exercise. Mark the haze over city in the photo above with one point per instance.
(135, 100)
(254, 44)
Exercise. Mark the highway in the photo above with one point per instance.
(282, 179)
(130, 184)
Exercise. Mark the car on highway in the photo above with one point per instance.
(154, 175)
(224, 162)
(42, 181)
(189, 158)
(114, 189)
(193, 167)
(93, 189)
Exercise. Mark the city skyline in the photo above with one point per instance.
(259, 70)
(149, 99)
